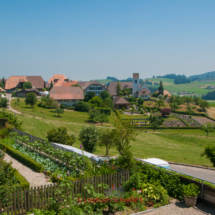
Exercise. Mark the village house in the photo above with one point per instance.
(165, 92)
(67, 96)
(120, 102)
(24, 92)
(137, 90)
(91, 86)
(14, 82)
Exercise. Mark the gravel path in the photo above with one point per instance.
(181, 209)
(203, 119)
(34, 178)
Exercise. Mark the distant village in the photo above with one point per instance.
(68, 92)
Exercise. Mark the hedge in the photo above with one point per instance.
(23, 183)
(184, 122)
(210, 118)
(70, 108)
(24, 159)
(185, 112)
(106, 111)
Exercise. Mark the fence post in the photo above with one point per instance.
(202, 186)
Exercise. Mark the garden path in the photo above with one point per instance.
(34, 178)
(180, 209)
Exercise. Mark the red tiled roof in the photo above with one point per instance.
(144, 91)
(13, 81)
(85, 84)
(59, 93)
(165, 92)
(120, 101)
(59, 77)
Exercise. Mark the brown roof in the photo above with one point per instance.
(59, 93)
(120, 101)
(135, 75)
(13, 81)
(36, 81)
(57, 78)
(165, 92)
(68, 84)
(124, 85)
(144, 91)
(85, 84)
(47, 85)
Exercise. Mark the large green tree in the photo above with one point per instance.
(31, 99)
(160, 88)
(209, 152)
(204, 104)
(27, 85)
(174, 106)
(208, 128)
(89, 137)
(105, 94)
(118, 88)
(59, 111)
(88, 96)
(95, 101)
(61, 136)
(160, 103)
(124, 134)
(107, 139)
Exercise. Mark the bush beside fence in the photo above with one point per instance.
(23, 201)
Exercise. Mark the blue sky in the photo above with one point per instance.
(93, 39)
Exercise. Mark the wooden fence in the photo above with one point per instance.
(23, 201)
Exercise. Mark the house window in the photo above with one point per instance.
(66, 100)
(135, 81)
(59, 100)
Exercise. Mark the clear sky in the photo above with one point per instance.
(93, 39)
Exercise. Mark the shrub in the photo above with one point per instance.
(82, 106)
(27, 85)
(61, 136)
(106, 111)
(165, 111)
(11, 119)
(209, 152)
(89, 137)
(3, 102)
(13, 94)
(191, 190)
(62, 106)
(24, 159)
(31, 99)
(70, 108)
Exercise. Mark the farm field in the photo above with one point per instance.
(193, 87)
(212, 103)
(103, 81)
(67, 116)
(183, 145)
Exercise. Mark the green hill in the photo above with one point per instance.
(207, 75)
(103, 81)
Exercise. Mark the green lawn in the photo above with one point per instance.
(193, 87)
(212, 103)
(67, 116)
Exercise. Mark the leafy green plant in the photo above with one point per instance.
(191, 190)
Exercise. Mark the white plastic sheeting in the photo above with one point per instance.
(78, 151)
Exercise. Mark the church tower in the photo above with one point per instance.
(136, 84)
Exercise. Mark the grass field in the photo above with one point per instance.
(67, 116)
(212, 103)
(193, 87)
(176, 145)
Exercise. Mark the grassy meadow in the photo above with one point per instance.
(67, 116)
(196, 87)
(183, 145)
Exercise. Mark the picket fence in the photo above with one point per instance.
(23, 201)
